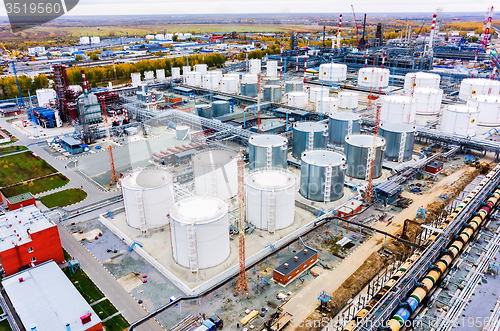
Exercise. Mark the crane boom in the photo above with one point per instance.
(356, 24)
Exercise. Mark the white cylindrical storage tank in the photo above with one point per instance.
(489, 109)
(294, 85)
(297, 99)
(160, 75)
(181, 132)
(254, 66)
(332, 72)
(193, 78)
(358, 151)
(215, 173)
(229, 85)
(398, 109)
(318, 93)
(249, 78)
(272, 93)
(270, 198)
(233, 75)
(327, 105)
(478, 86)
(211, 81)
(267, 150)
(176, 73)
(202, 68)
(200, 232)
(421, 79)
(428, 100)
(460, 120)
(373, 77)
(136, 78)
(272, 68)
(186, 69)
(150, 190)
(348, 100)
(149, 75)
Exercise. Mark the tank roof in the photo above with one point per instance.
(323, 157)
(267, 140)
(215, 157)
(146, 178)
(345, 116)
(486, 98)
(310, 126)
(198, 210)
(397, 127)
(431, 90)
(461, 109)
(364, 140)
(270, 179)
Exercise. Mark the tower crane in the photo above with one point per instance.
(487, 28)
(114, 177)
(355, 23)
(242, 284)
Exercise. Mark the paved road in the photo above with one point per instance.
(123, 301)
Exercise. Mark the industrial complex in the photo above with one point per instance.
(352, 187)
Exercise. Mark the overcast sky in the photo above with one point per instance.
(144, 7)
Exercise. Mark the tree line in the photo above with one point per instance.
(8, 86)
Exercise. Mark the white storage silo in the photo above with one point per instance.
(478, 86)
(421, 79)
(270, 198)
(348, 99)
(199, 232)
(373, 77)
(160, 75)
(327, 105)
(488, 107)
(460, 120)
(318, 93)
(272, 68)
(202, 68)
(428, 100)
(297, 99)
(249, 78)
(148, 194)
(211, 81)
(181, 132)
(149, 76)
(215, 173)
(332, 72)
(136, 79)
(398, 109)
(229, 85)
(186, 69)
(194, 78)
(254, 66)
(176, 73)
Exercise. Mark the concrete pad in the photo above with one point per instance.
(90, 235)
(130, 281)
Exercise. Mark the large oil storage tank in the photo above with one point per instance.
(204, 110)
(148, 194)
(229, 85)
(202, 68)
(297, 99)
(322, 175)
(270, 81)
(327, 105)
(373, 77)
(357, 149)
(220, 108)
(460, 120)
(332, 72)
(270, 199)
(176, 73)
(399, 141)
(348, 99)
(272, 93)
(478, 86)
(215, 173)
(267, 150)
(249, 89)
(272, 68)
(211, 80)
(193, 78)
(308, 135)
(489, 109)
(428, 100)
(294, 86)
(342, 124)
(254, 66)
(398, 109)
(421, 79)
(200, 232)
(249, 78)
(318, 93)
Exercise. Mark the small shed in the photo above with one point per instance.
(434, 167)
(294, 266)
(21, 200)
(71, 145)
(388, 191)
(349, 208)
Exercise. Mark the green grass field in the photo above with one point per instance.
(39, 185)
(10, 149)
(117, 323)
(4, 326)
(22, 166)
(64, 198)
(84, 285)
(104, 309)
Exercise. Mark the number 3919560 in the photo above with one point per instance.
(33, 8)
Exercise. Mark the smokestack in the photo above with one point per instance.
(84, 82)
(339, 31)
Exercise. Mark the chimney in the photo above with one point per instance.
(68, 327)
(295, 258)
(305, 251)
(286, 265)
(33, 327)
